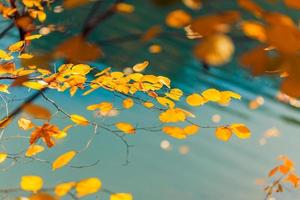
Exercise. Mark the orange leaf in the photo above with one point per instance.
(240, 130)
(37, 111)
(223, 133)
(77, 49)
(128, 103)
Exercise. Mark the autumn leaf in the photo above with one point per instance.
(45, 132)
(3, 157)
(174, 94)
(80, 120)
(148, 104)
(42, 196)
(240, 130)
(195, 100)
(63, 189)
(87, 186)
(180, 133)
(128, 103)
(209, 25)
(33, 37)
(121, 196)
(215, 49)
(63, 160)
(124, 8)
(31, 183)
(37, 111)
(4, 88)
(16, 46)
(254, 30)
(69, 4)
(178, 19)
(25, 124)
(223, 133)
(77, 49)
(25, 56)
(212, 95)
(193, 4)
(125, 127)
(140, 66)
(33, 150)
(251, 6)
(165, 102)
(295, 4)
(7, 67)
(172, 115)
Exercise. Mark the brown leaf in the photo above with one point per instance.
(37, 111)
(45, 132)
(77, 49)
(20, 80)
(211, 24)
(25, 23)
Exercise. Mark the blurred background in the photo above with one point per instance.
(160, 167)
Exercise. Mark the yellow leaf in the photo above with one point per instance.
(223, 133)
(164, 80)
(226, 97)
(128, 103)
(172, 115)
(121, 196)
(25, 124)
(191, 129)
(140, 66)
(165, 102)
(4, 88)
(125, 127)
(63, 159)
(88, 186)
(3, 157)
(175, 132)
(103, 107)
(81, 69)
(31, 183)
(80, 120)
(5, 56)
(16, 46)
(212, 94)
(25, 56)
(33, 37)
(148, 104)
(195, 100)
(33, 85)
(240, 130)
(175, 94)
(64, 188)
(33, 150)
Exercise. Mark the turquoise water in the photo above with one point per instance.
(211, 169)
